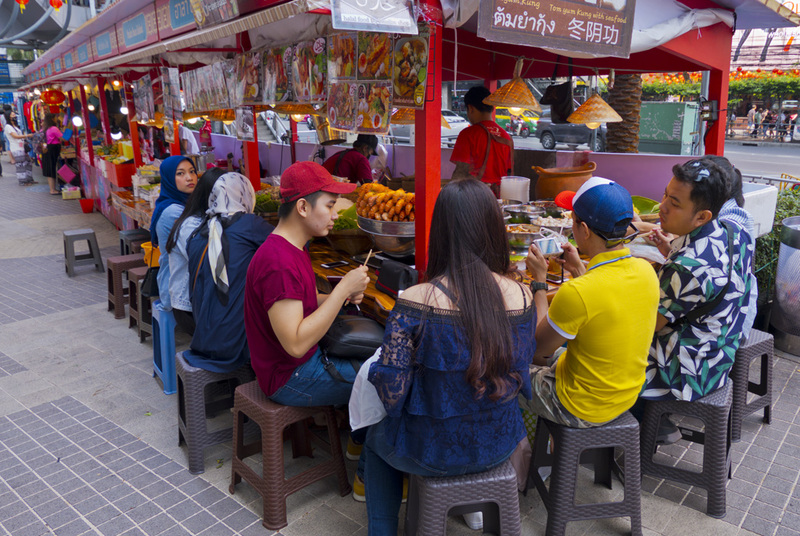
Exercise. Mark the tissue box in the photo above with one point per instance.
(70, 192)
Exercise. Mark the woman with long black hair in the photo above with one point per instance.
(51, 155)
(455, 356)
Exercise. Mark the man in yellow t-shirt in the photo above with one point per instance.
(605, 314)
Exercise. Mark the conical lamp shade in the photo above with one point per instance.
(407, 116)
(292, 108)
(515, 94)
(594, 110)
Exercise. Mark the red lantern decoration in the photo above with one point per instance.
(54, 109)
(56, 4)
(22, 5)
(52, 96)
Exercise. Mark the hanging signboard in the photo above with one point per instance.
(143, 99)
(209, 12)
(174, 17)
(138, 30)
(250, 78)
(309, 71)
(57, 65)
(68, 60)
(374, 107)
(169, 132)
(410, 70)
(277, 65)
(342, 105)
(84, 54)
(105, 44)
(244, 124)
(374, 15)
(175, 93)
(597, 27)
(230, 69)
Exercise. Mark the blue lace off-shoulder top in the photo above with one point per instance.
(433, 415)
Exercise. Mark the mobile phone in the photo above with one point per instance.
(334, 279)
(333, 264)
(548, 246)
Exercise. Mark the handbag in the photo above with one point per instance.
(559, 96)
(352, 337)
(395, 277)
(149, 288)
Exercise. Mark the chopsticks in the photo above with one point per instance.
(347, 301)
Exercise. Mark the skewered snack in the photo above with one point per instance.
(379, 202)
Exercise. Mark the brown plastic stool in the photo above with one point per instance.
(273, 419)
(714, 410)
(135, 276)
(202, 394)
(493, 492)
(758, 345)
(117, 292)
(574, 446)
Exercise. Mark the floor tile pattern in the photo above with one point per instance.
(8, 366)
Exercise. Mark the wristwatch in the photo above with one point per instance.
(538, 285)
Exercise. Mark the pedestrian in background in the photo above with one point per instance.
(17, 146)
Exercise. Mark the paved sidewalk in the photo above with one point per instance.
(89, 442)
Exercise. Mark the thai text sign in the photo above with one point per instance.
(137, 30)
(83, 54)
(598, 27)
(105, 44)
(68, 60)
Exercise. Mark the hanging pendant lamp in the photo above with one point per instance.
(593, 112)
(407, 116)
(515, 95)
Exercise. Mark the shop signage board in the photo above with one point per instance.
(598, 27)
(105, 44)
(138, 30)
(210, 12)
(68, 60)
(174, 17)
(310, 71)
(374, 15)
(84, 54)
(277, 63)
(143, 99)
(57, 65)
(244, 124)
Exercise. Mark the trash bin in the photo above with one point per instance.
(786, 307)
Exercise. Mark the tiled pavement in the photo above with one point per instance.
(88, 441)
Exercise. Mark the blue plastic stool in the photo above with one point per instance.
(164, 348)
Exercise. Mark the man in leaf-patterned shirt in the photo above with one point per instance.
(689, 360)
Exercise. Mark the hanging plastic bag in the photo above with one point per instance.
(365, 406)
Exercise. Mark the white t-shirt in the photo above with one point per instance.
(16, 145)
(187, 134)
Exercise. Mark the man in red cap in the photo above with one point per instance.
(284, 315)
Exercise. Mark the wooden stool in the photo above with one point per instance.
(135, 313)
(272, 418)
(759, 346)
(71, 260)
(117, 292)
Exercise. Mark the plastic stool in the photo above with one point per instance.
(714, 410)
(758, 345)
(574, 446)
(164, 348)
(251, 402)
(135, 275)
(117, 292)
(131, 239)
(201, 394)
(71, 260)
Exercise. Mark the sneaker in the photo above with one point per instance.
(360, 496)
(474, 520)
(353, 450)
(668, 433)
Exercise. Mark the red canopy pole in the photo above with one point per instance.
(718, 91)
(175, 145)
(251, 157)
(292, 138)
(75, 136)
(428, 153)
(101, 82)
(86, 128)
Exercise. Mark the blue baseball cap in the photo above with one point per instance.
(604, 205)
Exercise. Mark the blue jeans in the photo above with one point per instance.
(383, 480)
(312, 385)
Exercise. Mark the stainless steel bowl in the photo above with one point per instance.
(522, 235)
(523, 213)
(506, 202)
(395, 238)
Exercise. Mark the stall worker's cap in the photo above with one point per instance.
(604, 205)
(367, 140)
(305, 178)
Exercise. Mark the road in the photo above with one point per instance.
(766, 160)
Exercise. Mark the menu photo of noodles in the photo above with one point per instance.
(410, 60)
(374, 107)
(251, 78)
(374, 56)
(276, 63)
(342, 105)
(309, 71)
(342, 56)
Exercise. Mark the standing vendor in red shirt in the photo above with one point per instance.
(483, 151)
(354, 163)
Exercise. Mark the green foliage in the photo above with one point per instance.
(266, 203)
(767, 246)
(347, 219)
(762, 87)
(660, 90)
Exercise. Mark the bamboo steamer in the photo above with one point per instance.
(553, 181)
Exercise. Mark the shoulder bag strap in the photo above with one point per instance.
(339, 161)
(498, 139)
(555, 69)
(199, 264)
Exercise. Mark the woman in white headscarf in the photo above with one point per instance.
(220, 251)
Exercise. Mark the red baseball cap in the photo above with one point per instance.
(304, 178)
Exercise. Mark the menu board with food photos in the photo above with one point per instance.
(310, 71)
(374, 56)
(209, 12)
(342, 56)
(277, 64)
(143, 99)
(410, 69)
(374, 107)
(245, 130)
(234, 89)
(251, 78)
(175, 93)
(342, 105)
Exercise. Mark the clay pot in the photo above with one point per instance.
(553, 181)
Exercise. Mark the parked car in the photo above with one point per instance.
(550, 134)
(503, 117)
(402, 133)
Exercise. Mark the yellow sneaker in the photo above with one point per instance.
(353, 450)
(359, 494)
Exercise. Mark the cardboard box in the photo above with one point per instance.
(70, 192)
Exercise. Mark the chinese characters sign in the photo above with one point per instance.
(599, 27)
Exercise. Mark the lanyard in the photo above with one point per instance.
(609, 261)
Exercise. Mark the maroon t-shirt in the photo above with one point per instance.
(278, 271)
(352, 165)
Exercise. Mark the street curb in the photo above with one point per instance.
(759, 143)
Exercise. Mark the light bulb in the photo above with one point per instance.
(592, 125)
(116, 83)
(91, 107)
(116, 135)
(37, 91)
(298, 118)
(87, 88)
(77, 121)
(192, 121)
(515, 111)
(123, 110)
(227, 122)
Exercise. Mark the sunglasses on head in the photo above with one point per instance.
(613, 242)
(703, 173)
